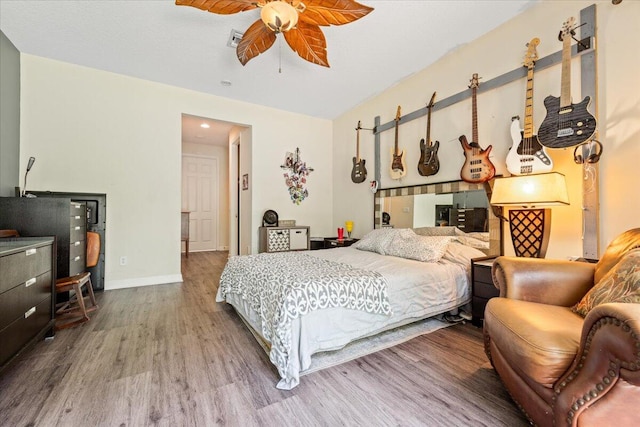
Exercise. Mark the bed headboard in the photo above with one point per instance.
(431, 205)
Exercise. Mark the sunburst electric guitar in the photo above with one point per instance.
(429, 163)
(477, 167)
(398, 165)
(527, 155)
(358, 172)
(566, 124)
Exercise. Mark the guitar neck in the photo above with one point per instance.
(528, 106)
(395, 146)
(428, 140)
(358, 144)
(474, 115)
(565, 79)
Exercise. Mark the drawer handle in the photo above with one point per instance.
(77, 258)
(77, 217)
(77, 206)
(30, 251)
(29, 282)
(334, 243)
(76, 243)
(29, 312)
(77, 227)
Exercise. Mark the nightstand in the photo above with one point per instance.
(334, 242)
(482, 288)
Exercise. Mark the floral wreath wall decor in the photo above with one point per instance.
(295, 176)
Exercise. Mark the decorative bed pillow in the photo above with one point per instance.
(620, 284)
(419, 248)
(435, 231)
(377, 240)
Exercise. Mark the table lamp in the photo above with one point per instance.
(530, 225)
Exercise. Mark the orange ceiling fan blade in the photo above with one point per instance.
(255, 40)
(308, 41)
(222, 7)
(333, 12)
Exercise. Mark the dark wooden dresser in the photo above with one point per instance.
(48, 216)
(27, 286)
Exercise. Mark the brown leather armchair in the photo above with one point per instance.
(560, 368)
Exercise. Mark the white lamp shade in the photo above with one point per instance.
(279, 16)
(543, 189)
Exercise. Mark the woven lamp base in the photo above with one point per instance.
(530, 231)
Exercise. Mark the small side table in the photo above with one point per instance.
(334, 242)
(482, 288)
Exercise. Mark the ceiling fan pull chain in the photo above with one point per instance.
(280, 55)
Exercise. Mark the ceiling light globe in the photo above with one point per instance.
(279, 16)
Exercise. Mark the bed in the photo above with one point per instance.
(302, 303)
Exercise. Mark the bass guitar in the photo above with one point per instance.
(527, 155)
(398, 165)
(358, 172)
(566, 124)
(429, 163)
(477, 167)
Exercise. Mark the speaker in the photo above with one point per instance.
(270, 218)
(593, 156)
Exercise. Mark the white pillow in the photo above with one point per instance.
(377, 240)
(419, 248)
(436, 231)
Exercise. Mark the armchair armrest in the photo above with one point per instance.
(545, 281)
(606, 369)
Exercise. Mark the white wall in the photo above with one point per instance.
(94, 131)
(491, 55)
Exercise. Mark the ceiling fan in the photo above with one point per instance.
(299, 21)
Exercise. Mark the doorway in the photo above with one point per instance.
(200, 198)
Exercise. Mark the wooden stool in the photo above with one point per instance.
(74, 312)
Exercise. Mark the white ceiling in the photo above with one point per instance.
(186, 47)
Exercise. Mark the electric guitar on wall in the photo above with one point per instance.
(359, 172)
(566, 124)
(429, 163)
(477, 167)
(398, 165)
(527, 155)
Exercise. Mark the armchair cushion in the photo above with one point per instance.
(539, 340)
(620, 284)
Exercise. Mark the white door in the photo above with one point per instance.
(200, 198)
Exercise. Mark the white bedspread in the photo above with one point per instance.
(416, 290)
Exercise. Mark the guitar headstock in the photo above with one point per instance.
(567, 28)
(474, 81)
(398, 114)
(532, 54)
(431, 102)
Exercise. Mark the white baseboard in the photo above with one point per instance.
(142, 281)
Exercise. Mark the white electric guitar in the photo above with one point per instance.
(527, 155)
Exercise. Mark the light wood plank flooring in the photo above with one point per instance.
(169, 355)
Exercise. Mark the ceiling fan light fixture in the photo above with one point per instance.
(279, 16)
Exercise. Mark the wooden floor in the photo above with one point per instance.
(170, 355)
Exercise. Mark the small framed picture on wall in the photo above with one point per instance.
(245, 181)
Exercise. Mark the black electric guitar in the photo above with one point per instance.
(398, 165)
(358, 172)
(477, 167)
(526, 155)
(566, 124)
(429, 163)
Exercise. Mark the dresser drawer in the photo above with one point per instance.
(482, 274)
(17, 334)
(278, 240)
(77, 248)
(77, 209)
(18, 300)
(19, 267)
(77, 220)
(77, 264)
(78, 233)
(485, 290)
